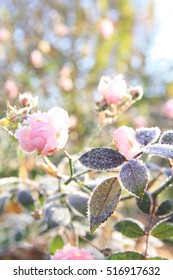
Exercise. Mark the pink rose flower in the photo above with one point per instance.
(71, 253)
(106, 28)
(167, 108)
(125, 141)
(45, 132)
(112, 90)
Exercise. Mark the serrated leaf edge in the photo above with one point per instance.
(119, 179)
(160, 222)
(88, 210)
(141, 225)
(163, 134)
(124, 252)
(149, 128)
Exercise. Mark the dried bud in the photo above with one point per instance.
(27, 100)
(136, 92)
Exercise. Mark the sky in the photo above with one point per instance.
(163, 42)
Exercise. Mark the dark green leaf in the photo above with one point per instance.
(163, 229)
(57, 215)
(144, 204)
(102, 159)
(3, 200)
(162, 150)
(128, 255)
(79, 203)
(103, 202)
(156, 258)
(167, 137)
(165, 208)
(134, 177)
(26, 199)
(57, 243)
(147, 135)
(130, 228)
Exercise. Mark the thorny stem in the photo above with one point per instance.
(152, 214)
(89, 242)
(81, 183)
(70, 162)
(127, 197)
(13, 180)
(52, 167)
(71, 178)
(163, 187)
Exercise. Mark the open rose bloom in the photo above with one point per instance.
(45, 132)
(71, 253)
(125, 141)
(112, 89)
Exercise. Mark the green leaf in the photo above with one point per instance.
(165, 208)
(144, 204)
(26, 199)
(162, 150)
(156, 258)
(103, 202)
(57, 215)
(102, 159)
(163, 229)
(57, 243)
(147, 135)
(134, 177)
(130, 228)
(128, 255)
(167, 137)
(78, 202)
(3, 200)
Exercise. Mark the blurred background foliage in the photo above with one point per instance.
(61, 51)
(58, 50)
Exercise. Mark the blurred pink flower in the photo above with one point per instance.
(125, 141)
(112, 90)
(72, 253)
(106, 28)
(36, 59)
(61, 29)
(11, 89)
(45, 132)
(140, 121)
(4, 34)
(66, 83)
(167, 109)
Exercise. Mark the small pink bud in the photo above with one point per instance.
(71, 253)
(125, 141)
(112, 90)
